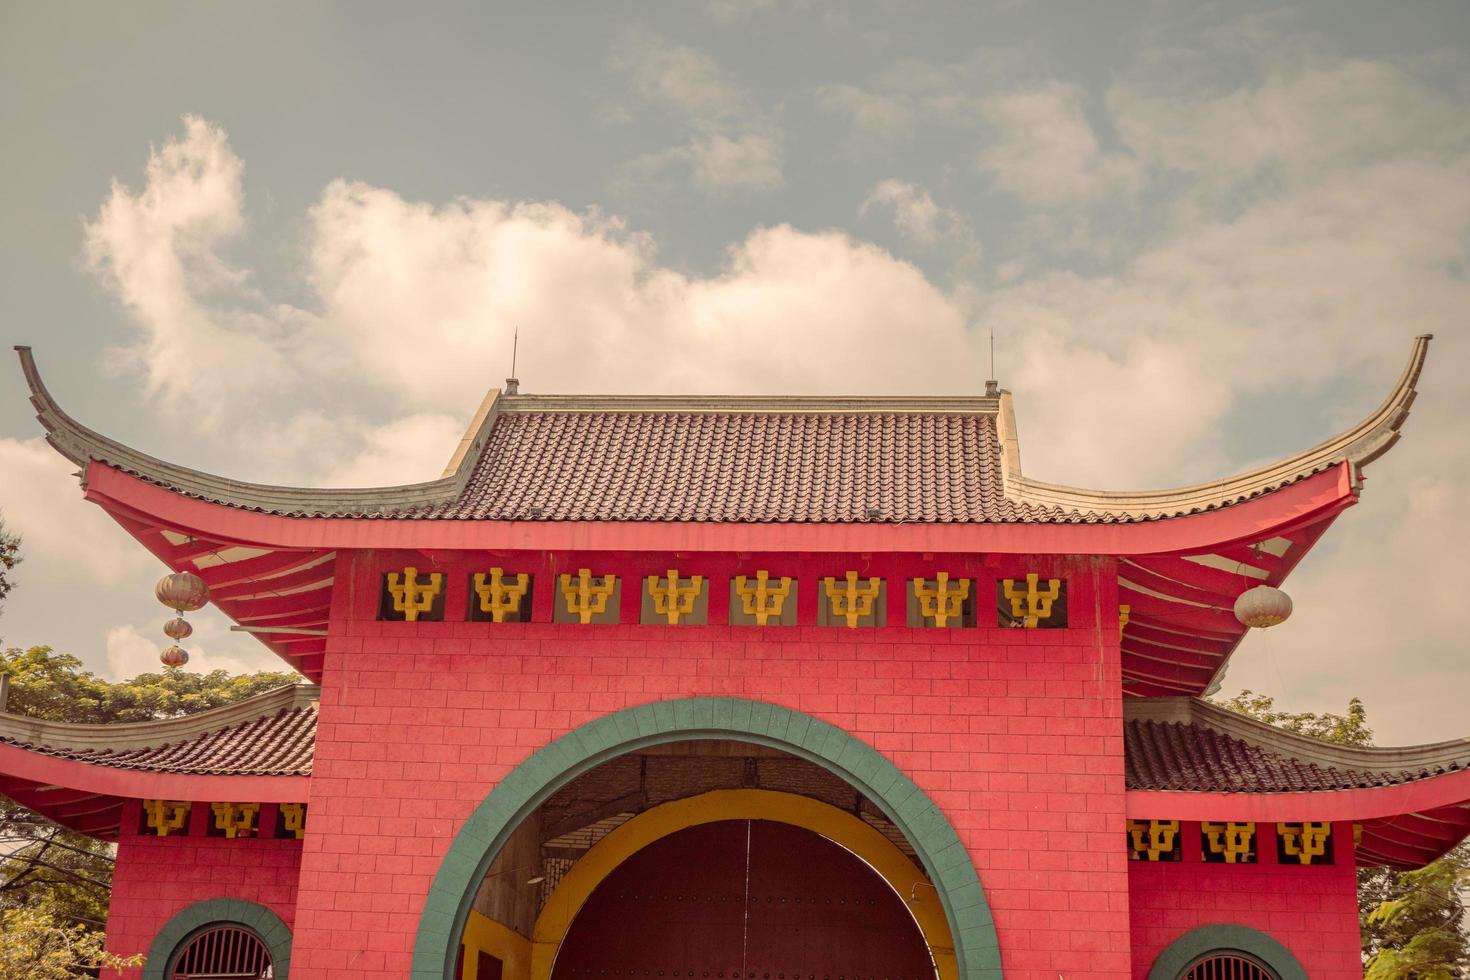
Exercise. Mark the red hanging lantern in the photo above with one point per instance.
(174, 656)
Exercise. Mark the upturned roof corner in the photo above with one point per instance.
(1359, 445)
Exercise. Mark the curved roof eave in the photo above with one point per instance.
(82, 445)
(150, 734)
(1359, 445)
(1303, 748)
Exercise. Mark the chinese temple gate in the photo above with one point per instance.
(719, 688)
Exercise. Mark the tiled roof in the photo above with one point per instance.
(738, 459)
(280, 744)
(1170, 755)
(746, 467)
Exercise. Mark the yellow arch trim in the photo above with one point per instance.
(484, 934)
(836, 825)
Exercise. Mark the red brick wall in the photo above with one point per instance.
(1312, 911)
(156, 878)
(1016, 734)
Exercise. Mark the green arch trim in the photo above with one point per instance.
(939, 849)
(1225, 937)
(216, 911)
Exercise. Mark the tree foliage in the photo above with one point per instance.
(54, 884)
(1413, 922)
(9, 558)
(34, 945)
(50, 685)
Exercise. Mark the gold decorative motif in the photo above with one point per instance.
(672, 600)
(584, 599)
(235, 819)
(498, 597)
(1305, 841)
(1152, 839)
(1034, 604)
(762, 600)
(941, 603)
(1124, 612)
(851, 601)
(412, 597)
(293, 819)
(1232, 841)
(166, 816)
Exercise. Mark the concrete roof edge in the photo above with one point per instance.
(1359, 445)
(152, 734)
(1303, 748)
(82, 445)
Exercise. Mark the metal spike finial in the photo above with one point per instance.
(512, 383)
(992, 386)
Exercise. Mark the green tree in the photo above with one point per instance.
(9, 558)
(48, 871)
(1413, 922)
(34, 946)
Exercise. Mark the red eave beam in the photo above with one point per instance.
(48, 770)
(1281, 511)
(1448, 789)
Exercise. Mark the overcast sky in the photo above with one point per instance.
(289, 243)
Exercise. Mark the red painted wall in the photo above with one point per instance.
(1312, 911)
(156, 878)
(1016, 734)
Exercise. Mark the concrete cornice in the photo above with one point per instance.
(753, 404)
(80, 445)
(1303, 748)
(152, 734)
(1358, 445)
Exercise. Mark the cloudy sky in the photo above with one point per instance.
(289, 243)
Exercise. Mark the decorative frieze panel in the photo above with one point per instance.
(1308, 842)
(587, 598)
(941, 602)
(1030, 604)
(411, 598)
(164, 818)
(851, 603)
(232, 820)
(496, 597)
(762, 601)
(1153, 840)
(673, 600)
(1228, 843)
(291, 820)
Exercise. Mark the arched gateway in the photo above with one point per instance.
(949, 923)
(592, 617)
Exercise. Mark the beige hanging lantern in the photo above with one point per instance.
(182, 592)
(1263, 606)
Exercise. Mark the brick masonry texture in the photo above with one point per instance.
(156, 878)
(1017, 735)
(1312, 911)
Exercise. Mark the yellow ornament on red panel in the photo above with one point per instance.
(1263, 606)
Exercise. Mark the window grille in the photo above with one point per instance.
(224, 952)
(1227, 966)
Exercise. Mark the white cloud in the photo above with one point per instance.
(1045, 152)
(63, 536)
(133, 650)
(872, 115)
(732, 145)
(918, 219)
(159, 250)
